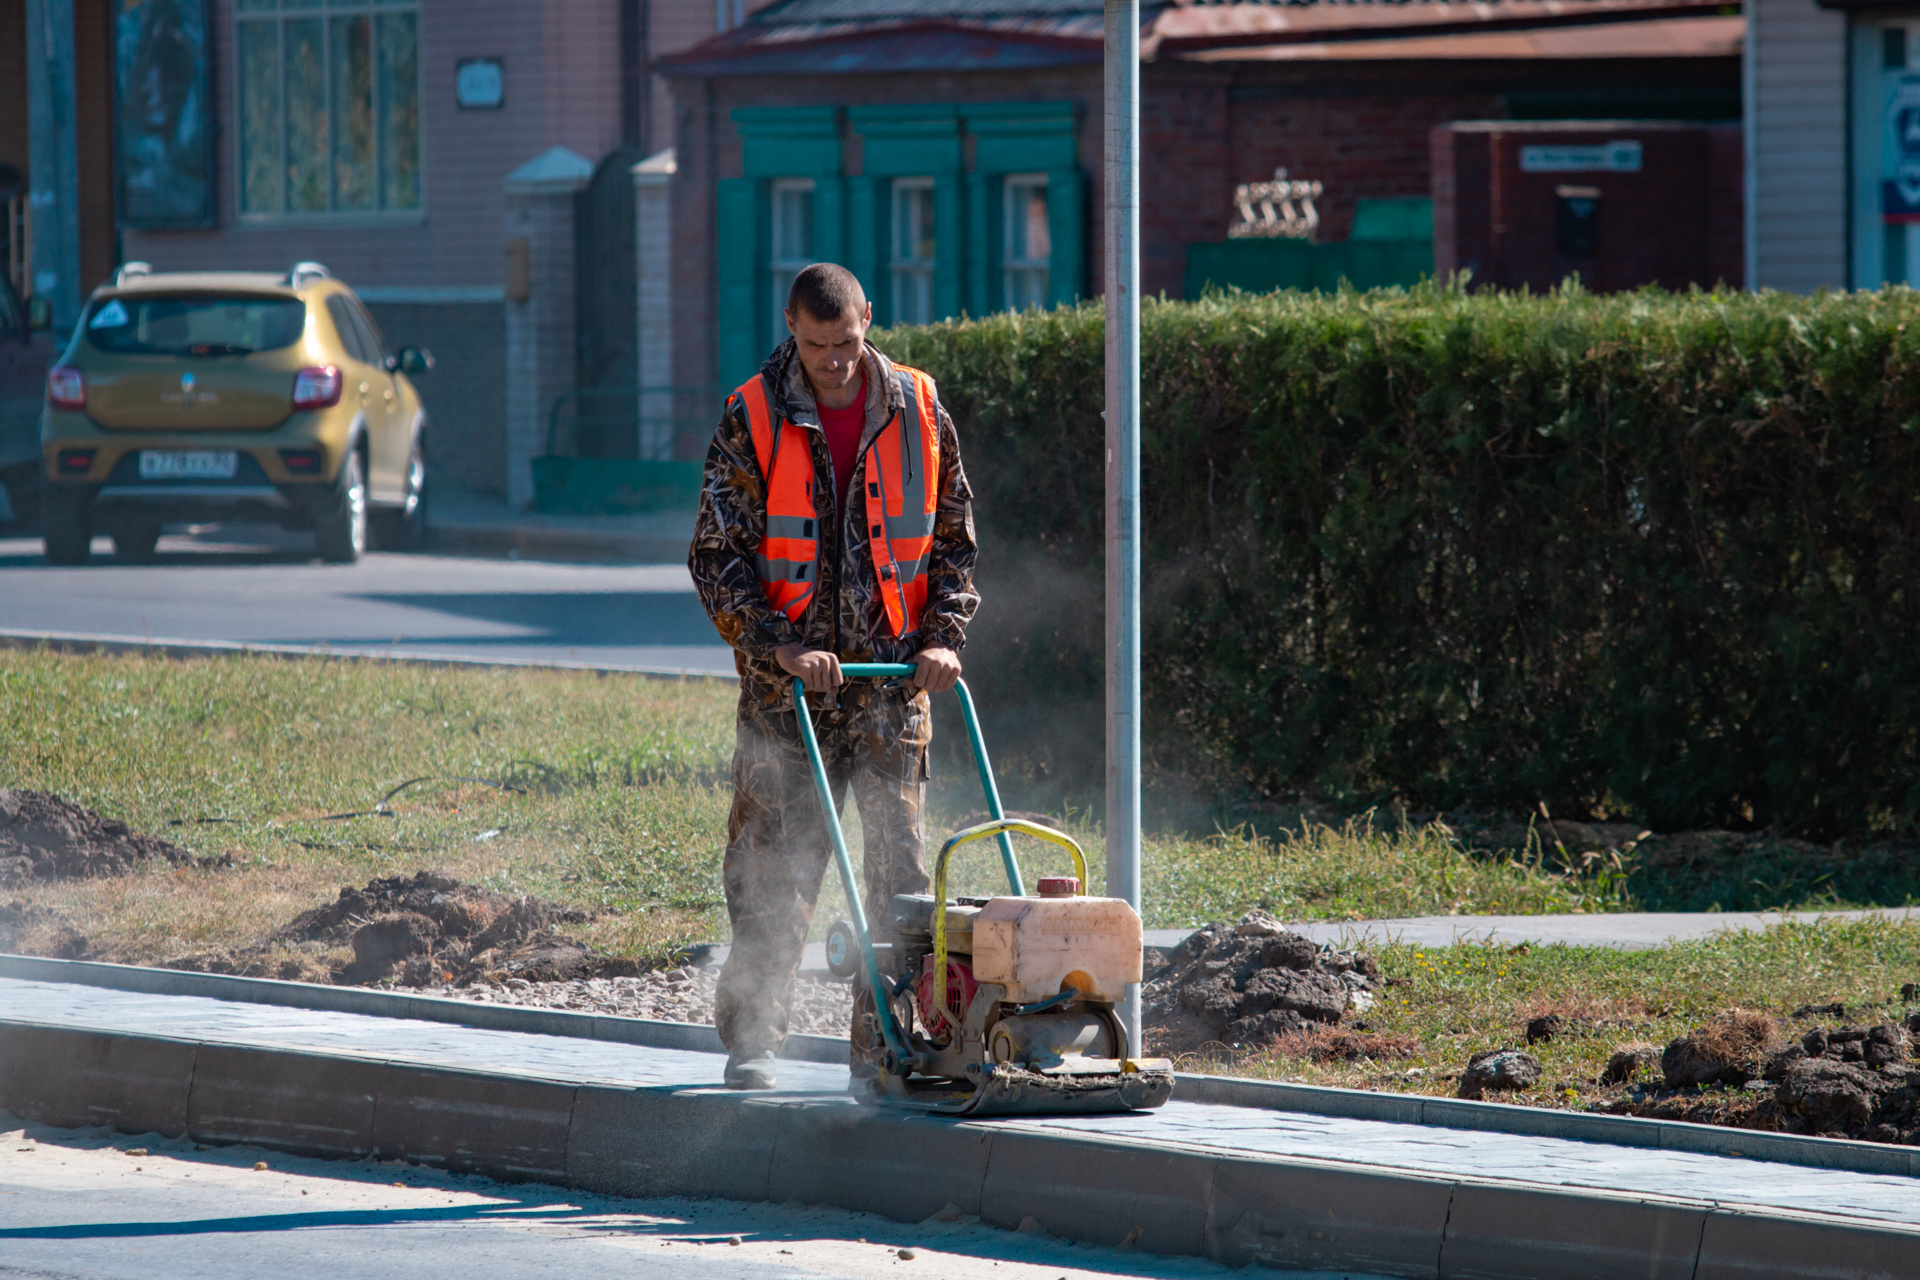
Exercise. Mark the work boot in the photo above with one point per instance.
(751, 1073)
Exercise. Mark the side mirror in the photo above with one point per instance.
(39, 313)
(413, 361)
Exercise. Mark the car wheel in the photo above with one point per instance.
(404, 528)
(134, 540)
(66, 527)
(340, 525)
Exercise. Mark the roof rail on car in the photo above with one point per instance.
(129, 271)
(301, 272)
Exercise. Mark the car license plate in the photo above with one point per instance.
(188, 464)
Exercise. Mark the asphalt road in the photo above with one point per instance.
(78, 1203)
(262, 586)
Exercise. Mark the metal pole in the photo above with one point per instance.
(53, 160)
(1122, 294)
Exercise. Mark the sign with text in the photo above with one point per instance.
(1606, 157)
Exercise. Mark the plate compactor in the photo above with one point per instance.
(992, 1006)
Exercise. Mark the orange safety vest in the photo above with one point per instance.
(903, 492)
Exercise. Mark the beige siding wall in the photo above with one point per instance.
(1797, 140)
(562, 88)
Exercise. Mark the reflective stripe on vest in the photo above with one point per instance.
(902, 483)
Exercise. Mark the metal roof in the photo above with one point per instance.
(864, 35)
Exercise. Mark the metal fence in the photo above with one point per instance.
(610, 450)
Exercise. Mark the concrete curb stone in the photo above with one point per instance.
(1100, 1190)
(721, 1144)
(1737, 1245)
(1315, 1218)
(168, 647)
(907, 1167)
(307, 1103)
(1501, 1232)
(72, 1079)
(514, 1128)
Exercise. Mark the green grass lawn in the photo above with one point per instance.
(611, 792)
(602, 791)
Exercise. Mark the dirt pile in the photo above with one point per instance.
(1250, 984)
(423, 930)
(1834, 1081)
(48, 837)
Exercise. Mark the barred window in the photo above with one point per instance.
(913, 251)
(1027, 243)
(792, 244)
(328, 106)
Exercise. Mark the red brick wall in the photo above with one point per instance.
(562, 88)
(1674, 222)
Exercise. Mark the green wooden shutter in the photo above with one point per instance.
(830, 220)
(949, 245)
(740, 247)
(866, 241)
(1067, 224)
(983, 238)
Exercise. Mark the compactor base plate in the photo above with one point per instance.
(1012, 1091)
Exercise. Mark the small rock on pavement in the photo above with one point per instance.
(733, 1239)
(908, 1255)
(1500, 1071)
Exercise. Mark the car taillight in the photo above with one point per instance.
(66, 388)
(75, 462)
(316, 388)
(301, 462)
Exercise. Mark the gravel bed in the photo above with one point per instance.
(823, 1006)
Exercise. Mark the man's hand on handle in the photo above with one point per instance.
(819, 668)
(935, 670)
(939, 670)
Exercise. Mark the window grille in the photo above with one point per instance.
(792, 244)
(1027, 242)
(913, 251)
(328, 107)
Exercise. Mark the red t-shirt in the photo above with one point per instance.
(842, 428)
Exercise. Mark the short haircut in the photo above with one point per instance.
(826, 291)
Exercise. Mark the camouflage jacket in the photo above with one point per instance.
(847, 616)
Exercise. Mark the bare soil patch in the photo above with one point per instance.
(427, 929)
(44, 836)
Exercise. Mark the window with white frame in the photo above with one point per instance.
(792, 243)
(328, 106)
(913, 250)
(1026, 244)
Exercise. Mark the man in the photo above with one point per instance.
(835, 526)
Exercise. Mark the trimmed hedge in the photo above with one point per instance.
(1652, 555)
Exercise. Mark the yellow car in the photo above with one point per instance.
(231, 396)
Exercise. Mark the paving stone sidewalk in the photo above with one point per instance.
(1227, 1131)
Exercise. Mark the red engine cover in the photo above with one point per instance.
(960, 988)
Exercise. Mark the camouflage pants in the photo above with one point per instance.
(778, 849)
